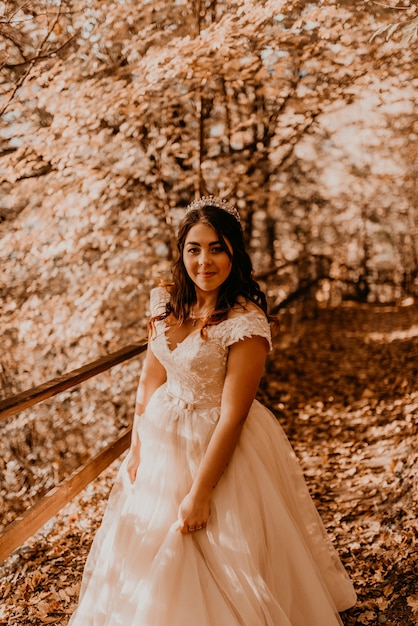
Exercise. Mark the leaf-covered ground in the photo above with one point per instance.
(343, 384)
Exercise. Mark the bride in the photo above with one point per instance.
(210, 522)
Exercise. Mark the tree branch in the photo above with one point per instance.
(40, 57)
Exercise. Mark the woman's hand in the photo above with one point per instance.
(193, 513)
(133, 462)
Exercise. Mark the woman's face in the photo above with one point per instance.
(206, 262)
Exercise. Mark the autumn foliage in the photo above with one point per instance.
(114, 116)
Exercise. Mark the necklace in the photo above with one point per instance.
(198, 319)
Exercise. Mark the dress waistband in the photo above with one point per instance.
(191, 406)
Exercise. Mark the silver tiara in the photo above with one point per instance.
(215, 202)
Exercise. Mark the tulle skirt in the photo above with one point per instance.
(264, 558)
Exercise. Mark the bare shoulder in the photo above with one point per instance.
(243, 307)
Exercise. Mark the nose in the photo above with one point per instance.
(205, 258)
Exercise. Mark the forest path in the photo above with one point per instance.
(347, 383)
(343, 384)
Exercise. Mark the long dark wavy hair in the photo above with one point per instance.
(238, 287)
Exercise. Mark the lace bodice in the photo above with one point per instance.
(196, 366)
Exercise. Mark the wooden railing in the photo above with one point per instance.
(34, 518)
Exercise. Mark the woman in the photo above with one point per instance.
(210, 522)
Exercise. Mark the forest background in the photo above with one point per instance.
(114, 115)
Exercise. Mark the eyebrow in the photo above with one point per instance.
(196, 243)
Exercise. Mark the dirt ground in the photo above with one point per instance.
(343, 383)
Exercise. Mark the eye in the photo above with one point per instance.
(217, 249)
(193, 250)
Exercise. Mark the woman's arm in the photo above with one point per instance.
(245, 367)
(153, 375)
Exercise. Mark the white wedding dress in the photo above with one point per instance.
(264, 558)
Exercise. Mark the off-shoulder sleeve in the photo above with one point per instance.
(242, 327)
(158, 299)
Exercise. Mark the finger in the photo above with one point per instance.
(184, 529)
(193, 529)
